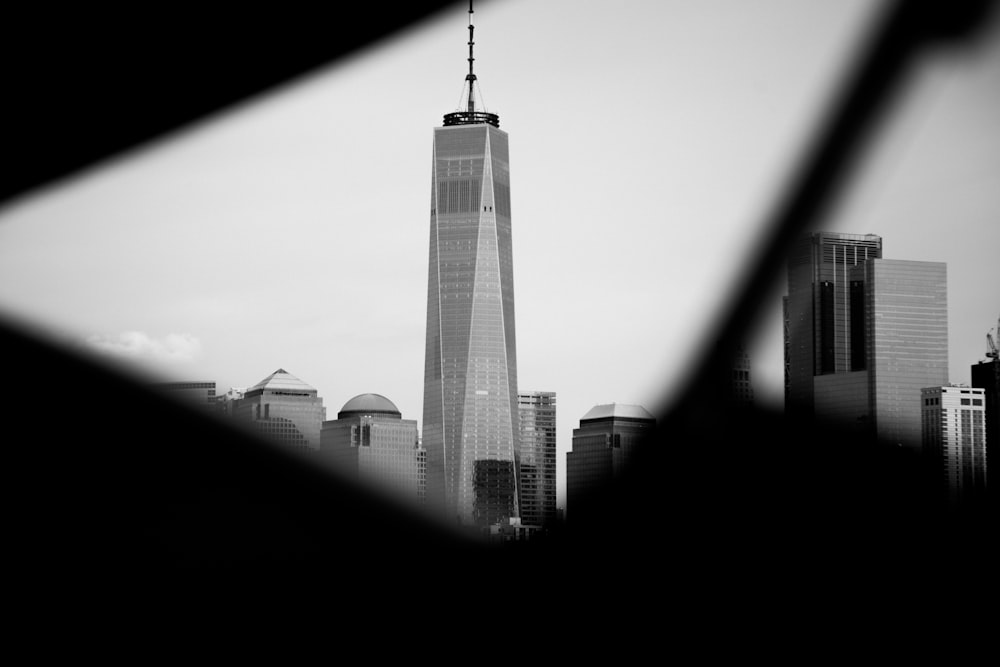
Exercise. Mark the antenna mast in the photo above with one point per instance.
(470, 77)
(469, 116)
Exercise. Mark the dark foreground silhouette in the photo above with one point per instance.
(115, 490)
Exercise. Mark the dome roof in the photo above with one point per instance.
(369, 403)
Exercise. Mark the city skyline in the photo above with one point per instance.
(258, 239)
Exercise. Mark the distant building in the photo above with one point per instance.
(199, 394)
(284, 409)
(822, 329)
(900, 332)
(370, 441)
(602, 447)
(536, 462)
(986, 376)
(227, 401)
(954, 439)
(863, 335)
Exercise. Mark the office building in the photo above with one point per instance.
(284, 409)
(821, 329)
(536, 463)
(954, 439)
(863, 335)
(902, 346)
(371, 442)
(201, 395)
(602, 447)
(470, 428)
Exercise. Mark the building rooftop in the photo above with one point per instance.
(625, 410)
(282, 380)
(369, 403)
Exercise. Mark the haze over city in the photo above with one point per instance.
(647, 143)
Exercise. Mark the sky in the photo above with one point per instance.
(649, 140)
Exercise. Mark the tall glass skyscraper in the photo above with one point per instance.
(863, 335)
(822, 334)
(470, 424)
(536, 463)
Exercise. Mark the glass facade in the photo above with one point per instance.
(371, 442)
(536, 460)
(878, 322)
(470, 421)
(284, 409)
(819, 323)
(901, 328)
(906, 341)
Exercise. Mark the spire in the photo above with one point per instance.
(470, 116)
(470, 77)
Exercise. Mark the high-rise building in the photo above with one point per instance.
(901, 326)
(284, 409)
(603, 445)
(986, 376)
(370, 441)
(536, 462)
(863, 335)
(954, 439)
(822, 332)
(470, 427)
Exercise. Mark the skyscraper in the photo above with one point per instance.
(284, 409)
(863, 335)
(954, 439)
(603, 445)
(370, 441)
(822, 331)
(470, 427)
(536, 462)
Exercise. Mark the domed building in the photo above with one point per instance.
(370, 440)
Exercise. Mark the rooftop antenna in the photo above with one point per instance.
(470, 116)
(470, 77)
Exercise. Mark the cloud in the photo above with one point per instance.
(141, 347)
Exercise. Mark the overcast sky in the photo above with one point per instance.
(648, 140)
